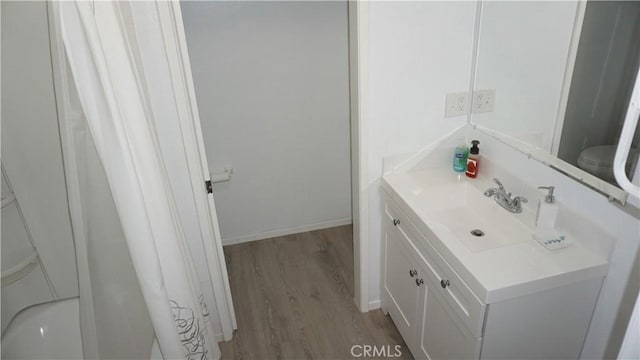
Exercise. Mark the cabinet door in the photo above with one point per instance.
(441, 335)
(400, 290)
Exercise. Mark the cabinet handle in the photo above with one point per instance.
(413, 273)
(396, 222)
(444, 283)
(419, 282)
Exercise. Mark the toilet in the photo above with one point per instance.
(598, 161)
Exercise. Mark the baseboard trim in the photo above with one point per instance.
(374, 305)
(283, 232)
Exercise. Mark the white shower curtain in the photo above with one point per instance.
(104, 58)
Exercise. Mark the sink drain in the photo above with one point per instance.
(477, 232)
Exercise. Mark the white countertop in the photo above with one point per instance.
(500, 273)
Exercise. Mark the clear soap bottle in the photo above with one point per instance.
(460, 155)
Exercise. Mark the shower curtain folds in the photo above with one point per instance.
(101, 47)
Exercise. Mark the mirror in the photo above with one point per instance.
(562, 73)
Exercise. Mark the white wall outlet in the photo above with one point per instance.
(483, 101)
(456, 104)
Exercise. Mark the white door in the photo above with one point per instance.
(178, 58)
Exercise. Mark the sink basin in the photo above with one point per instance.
(462, 210)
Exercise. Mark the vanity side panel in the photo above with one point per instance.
(549, 325)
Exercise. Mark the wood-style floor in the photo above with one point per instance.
(293, 298)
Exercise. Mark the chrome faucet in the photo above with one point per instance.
(494, 191)
(504, 199)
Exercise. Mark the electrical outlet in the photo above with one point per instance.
(483, 101)
(456, 104)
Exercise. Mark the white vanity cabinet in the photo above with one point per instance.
(417, 294)
(440, 317)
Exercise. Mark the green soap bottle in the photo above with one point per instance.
(460, 159)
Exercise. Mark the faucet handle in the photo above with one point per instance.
(517, 202)
(520, 199)
(495, 180)
(549, 198)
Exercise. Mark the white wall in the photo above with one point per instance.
(522, 54)
(418, 52)
(272, 86)
(31, 152)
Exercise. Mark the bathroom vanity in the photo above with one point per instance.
(464, 279)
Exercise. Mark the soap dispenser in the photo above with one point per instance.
(473, 161)
(547, 210)
(460, 155)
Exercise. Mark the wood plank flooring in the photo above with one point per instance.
(293, 297)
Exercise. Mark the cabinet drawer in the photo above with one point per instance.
(439, 273)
